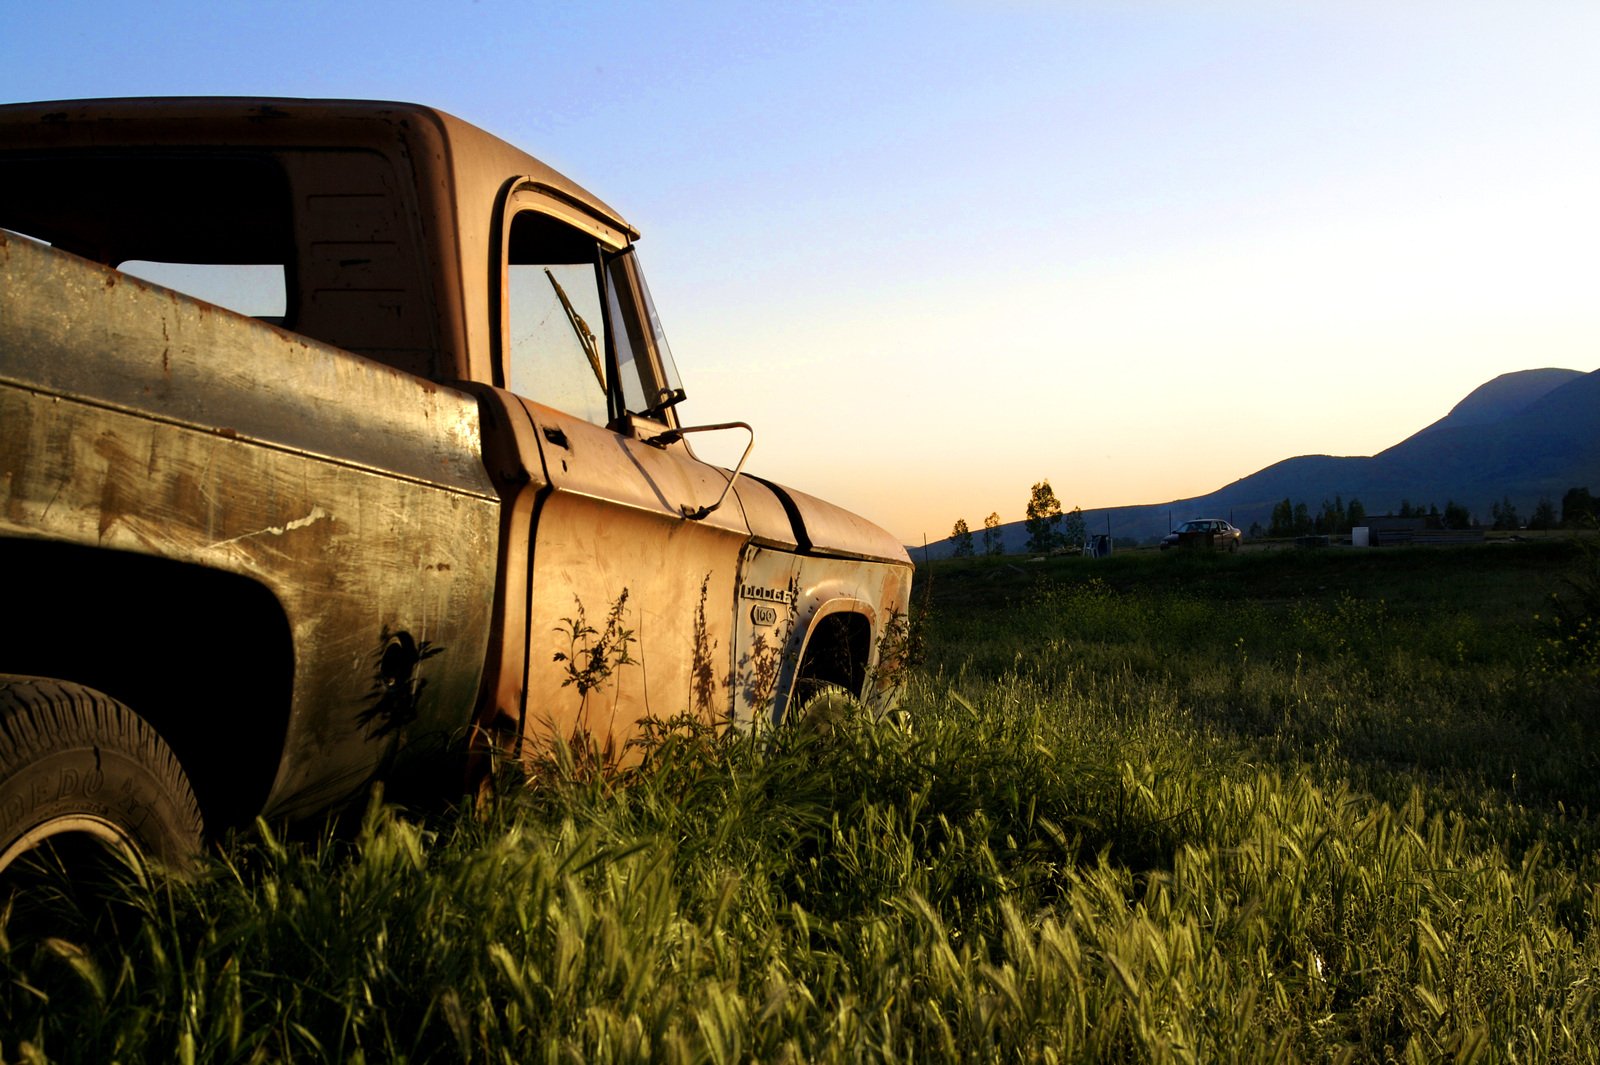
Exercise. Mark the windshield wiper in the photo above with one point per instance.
(580, 329)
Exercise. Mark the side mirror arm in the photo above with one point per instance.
(672, 436)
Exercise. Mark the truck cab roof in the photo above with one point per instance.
(409, 192)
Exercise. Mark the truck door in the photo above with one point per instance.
(630, 602)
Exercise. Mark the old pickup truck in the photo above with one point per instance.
(340, 441)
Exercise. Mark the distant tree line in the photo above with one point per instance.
(1048, 528)
(1295, 519)
(1579, 509)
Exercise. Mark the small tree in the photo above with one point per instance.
(1544, 515)
(1282, 519)
(963, 538)
(1456, 516)
(1579, 508)
(991, 536)
(1331, 520)
(1504, 514)
(1043, 518)
(1074, 533)
(1302, 520)
(1356, 514)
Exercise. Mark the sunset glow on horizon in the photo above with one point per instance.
(936, 253)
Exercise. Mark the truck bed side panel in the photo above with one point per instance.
(134, 419)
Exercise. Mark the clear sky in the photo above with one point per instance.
(935, 252)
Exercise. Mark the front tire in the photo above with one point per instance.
(77, 767)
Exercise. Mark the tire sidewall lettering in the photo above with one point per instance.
(79, 785)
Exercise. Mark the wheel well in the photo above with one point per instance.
(837, 652)
(205, 656)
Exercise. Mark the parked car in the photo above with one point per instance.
(1204, 532)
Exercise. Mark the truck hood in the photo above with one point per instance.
(786, 518)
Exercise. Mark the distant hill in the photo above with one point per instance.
(1503, 397)
(1527, 435)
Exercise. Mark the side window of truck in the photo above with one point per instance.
(557, 342)
(582, 332)
(644, 361)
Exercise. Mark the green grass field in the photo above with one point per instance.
(1280, 806)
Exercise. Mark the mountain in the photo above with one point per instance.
(1525, 436)
(1503, 397)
